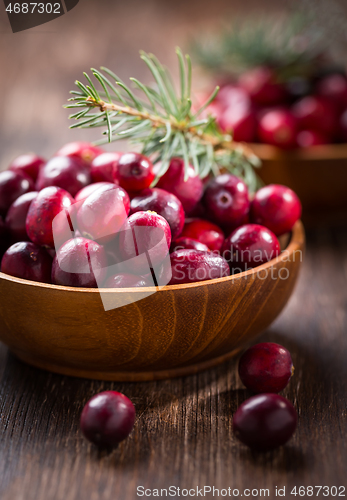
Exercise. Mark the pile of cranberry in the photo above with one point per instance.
(70, 220)
(263, 422)
(298, 114)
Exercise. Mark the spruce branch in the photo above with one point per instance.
(161, 120)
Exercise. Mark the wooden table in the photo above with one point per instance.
(183, 433)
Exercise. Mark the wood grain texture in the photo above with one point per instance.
(183, 433)
(175, 331)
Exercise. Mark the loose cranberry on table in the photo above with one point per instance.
(316, 113)
(266, 367)
(146, 236)
(265, 422)
(29, 164)
(249, 246)
(107, 419)
(103, 213)
(309, 138)
(50, 202)
(88, 190)
(204, 231)
(163, 203)
(68, 173)
(189, 191)
(133, 172)
(188, 244)
(278, 127)
(276, 207)
(226, 201)
(262, 86)
(80, 150)
(27, 261)
(240, 122)
(12, 185)
(190, 266)
(103, 166)
(125, 280)
(79, 262)
(17, 214)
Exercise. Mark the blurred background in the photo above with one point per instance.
(39, 66)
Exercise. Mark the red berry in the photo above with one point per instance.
(184, 243)
(29, 164)
(266, 367)
(265, 422)
(80, 150)
(240, 122)
(249, 246)
(232, 96)
(278, 127)
(163, 203)
(27, 261)
(107, 419)
(147, 237)
(125, 281)
(262, 86)
(316, 113)
(204, 231)
(276, 207)
(334, 87)
(67, 173)
(189, 192)
(226, 201)
(88, 190)
(12, 186)
(103, 166)
(103, 213)
(134, 172)
(17, 214)
(189, 266)
(50, 202)
(309, 138)
(79, 262)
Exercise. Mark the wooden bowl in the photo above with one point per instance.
(176, 331)
(318, 175)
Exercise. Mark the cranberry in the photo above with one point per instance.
(27, 261)
(68, 173)
(103, 213)
(232, 96)
(276, 207)
(107, 419)
(103, 166)
(134, 172)
(316, 113)
(80, 150)
(278, 127)
(86, 191)
(262, 86)
(189, 266)
(249, 246)
(334, 87)
(17, 214)
(79, 262)
(13, 185)
(29, 164)
(265, 422)
(147, 237)
(266, 367)
(50, 202)
(188, 244)
(189, 192)
(226, 201)
(125, 281)
(240, 122)
(204, 231)
(163, 203)
(309, 138)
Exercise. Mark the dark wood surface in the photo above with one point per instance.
(183, 433)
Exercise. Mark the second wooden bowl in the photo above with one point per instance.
(176, 331)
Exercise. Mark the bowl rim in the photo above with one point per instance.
(296, 241)
(319, 153)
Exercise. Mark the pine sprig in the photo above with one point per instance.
(161, 119)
